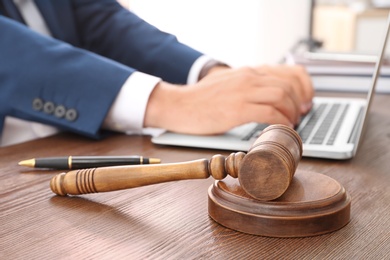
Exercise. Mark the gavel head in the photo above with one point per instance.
(267, 169)
(265, 172)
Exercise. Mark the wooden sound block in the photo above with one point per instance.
(313, 204)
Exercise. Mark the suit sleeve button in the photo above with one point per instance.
(71, 114)
(48, 107)
(59, 111)
(37, 104)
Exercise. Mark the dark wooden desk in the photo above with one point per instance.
(170, 221)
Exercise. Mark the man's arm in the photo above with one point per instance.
(226, 98)
(110, 30)
(43, 61)
(38, 68)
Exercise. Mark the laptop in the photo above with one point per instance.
(333, 128)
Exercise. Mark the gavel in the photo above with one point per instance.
(264, 173)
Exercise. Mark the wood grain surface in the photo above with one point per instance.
(170, 220)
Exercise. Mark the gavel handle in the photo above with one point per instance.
(264, 173)
(124, 177)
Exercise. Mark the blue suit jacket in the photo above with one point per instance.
(96, 45)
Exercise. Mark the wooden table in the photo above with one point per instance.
(170, 220)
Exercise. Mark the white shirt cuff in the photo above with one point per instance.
(198, 65)
(127, 113)
(128, 110)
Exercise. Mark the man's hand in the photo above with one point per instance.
(226, 98)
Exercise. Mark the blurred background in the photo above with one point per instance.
(253, 32)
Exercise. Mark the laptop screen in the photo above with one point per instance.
(371, 91)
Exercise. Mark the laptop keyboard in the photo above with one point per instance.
(320, 122)
(332, 137)
(254, 132)
(319, 126)
(308, 129)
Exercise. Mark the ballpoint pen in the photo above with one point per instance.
(79, 162)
